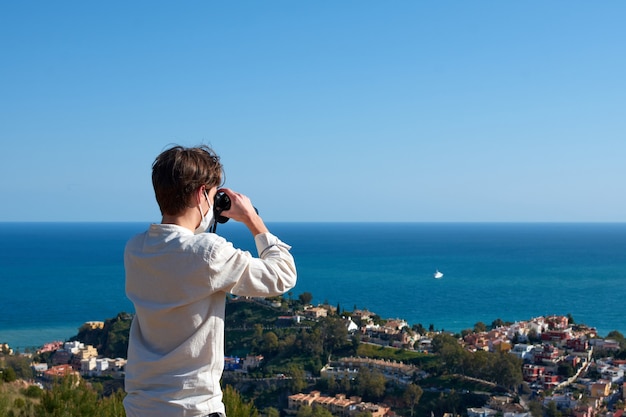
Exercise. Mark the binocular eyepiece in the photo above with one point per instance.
(220, 204)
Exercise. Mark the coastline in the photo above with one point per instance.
(34, 338)
(73, 272)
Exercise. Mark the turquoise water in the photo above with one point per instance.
(55, 276)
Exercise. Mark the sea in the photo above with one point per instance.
(56, 276)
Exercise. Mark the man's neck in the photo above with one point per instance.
(187, 219)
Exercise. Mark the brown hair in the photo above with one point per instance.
(178, 172)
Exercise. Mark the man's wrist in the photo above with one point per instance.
(256, 226)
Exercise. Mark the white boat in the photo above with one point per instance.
(437, 274)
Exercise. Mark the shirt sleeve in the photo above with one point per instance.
(238, 272)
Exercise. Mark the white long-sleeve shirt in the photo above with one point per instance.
(178, 283)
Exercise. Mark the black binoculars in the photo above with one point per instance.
(222, 203)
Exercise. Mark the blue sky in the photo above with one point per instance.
(321, 111)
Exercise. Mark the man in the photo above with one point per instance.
(177, 278)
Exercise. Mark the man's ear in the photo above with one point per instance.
(198, 195)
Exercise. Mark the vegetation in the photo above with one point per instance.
(253, 329)
(237, 406)
(74, 397)
(412, 395)
(69, 396)
(294, 354)
(112, 339)
(502, 369)
(393, 354)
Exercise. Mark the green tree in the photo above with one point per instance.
(507, 370)
(477, 363)
(271, 412)
(116, 340)
(305, 298)
(113, 405)
(355, 341)
(311, 342)
(334, 333)
(535, 408)
(618, 337)
(305, 411)
(570, 318)
(270, 342)
(21, 365)
(258, 333)
(497, 323)
(370, 384)
(412, 395)
(450, 351)
(552, 410)
(344, 385)
(418, 328)
(480, 327)
(566, 370)
(236, 406)
(297, 382)
(19, 403)
(9, 375)
(330, 385)
(33, 391)
(70, 396)
(287, 342)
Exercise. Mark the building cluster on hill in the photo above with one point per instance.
(556, 357)
(348, 368)
(554, 352)
(390, 332)
(339, 405)
(78, 359)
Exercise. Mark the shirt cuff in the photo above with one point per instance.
(265, 241)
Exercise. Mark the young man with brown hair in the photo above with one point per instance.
(178, 277)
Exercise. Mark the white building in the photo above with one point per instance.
(352, 326)
(481, 412)
(561, 401)
(73, 347)
(538, 325)
(607, 344)
(39, 368)
(88, 366)
(523, 351)
(102, 364)
(98, 366)
(519, 329)
(613, 374)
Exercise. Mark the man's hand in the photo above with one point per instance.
(242, 210)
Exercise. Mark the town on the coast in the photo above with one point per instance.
(305, 360)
